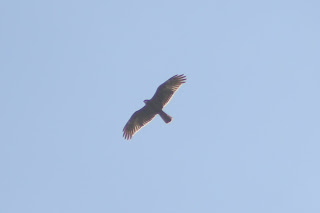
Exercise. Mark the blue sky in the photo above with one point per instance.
(245, 135)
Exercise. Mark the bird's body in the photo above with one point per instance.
(157, 108)
(154, 106)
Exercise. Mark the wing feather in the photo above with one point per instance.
(166, 90)
(139, 119)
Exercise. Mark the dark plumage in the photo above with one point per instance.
(154, 106)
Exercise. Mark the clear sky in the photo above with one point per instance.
(245, 135)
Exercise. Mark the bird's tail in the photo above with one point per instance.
(166, 118)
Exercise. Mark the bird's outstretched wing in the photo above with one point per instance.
(139, 119)
(166, 90)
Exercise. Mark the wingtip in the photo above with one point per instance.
(126, 135)
(182, 78)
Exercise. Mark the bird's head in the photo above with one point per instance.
(146, 101)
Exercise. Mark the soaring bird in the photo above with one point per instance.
(154, 106)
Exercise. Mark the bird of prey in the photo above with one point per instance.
(154, 106)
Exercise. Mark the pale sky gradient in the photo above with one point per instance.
(245, 135)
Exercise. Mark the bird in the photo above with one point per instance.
(154, 106)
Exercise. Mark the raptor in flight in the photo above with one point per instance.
(154, 106)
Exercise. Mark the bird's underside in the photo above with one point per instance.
(154, 106)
